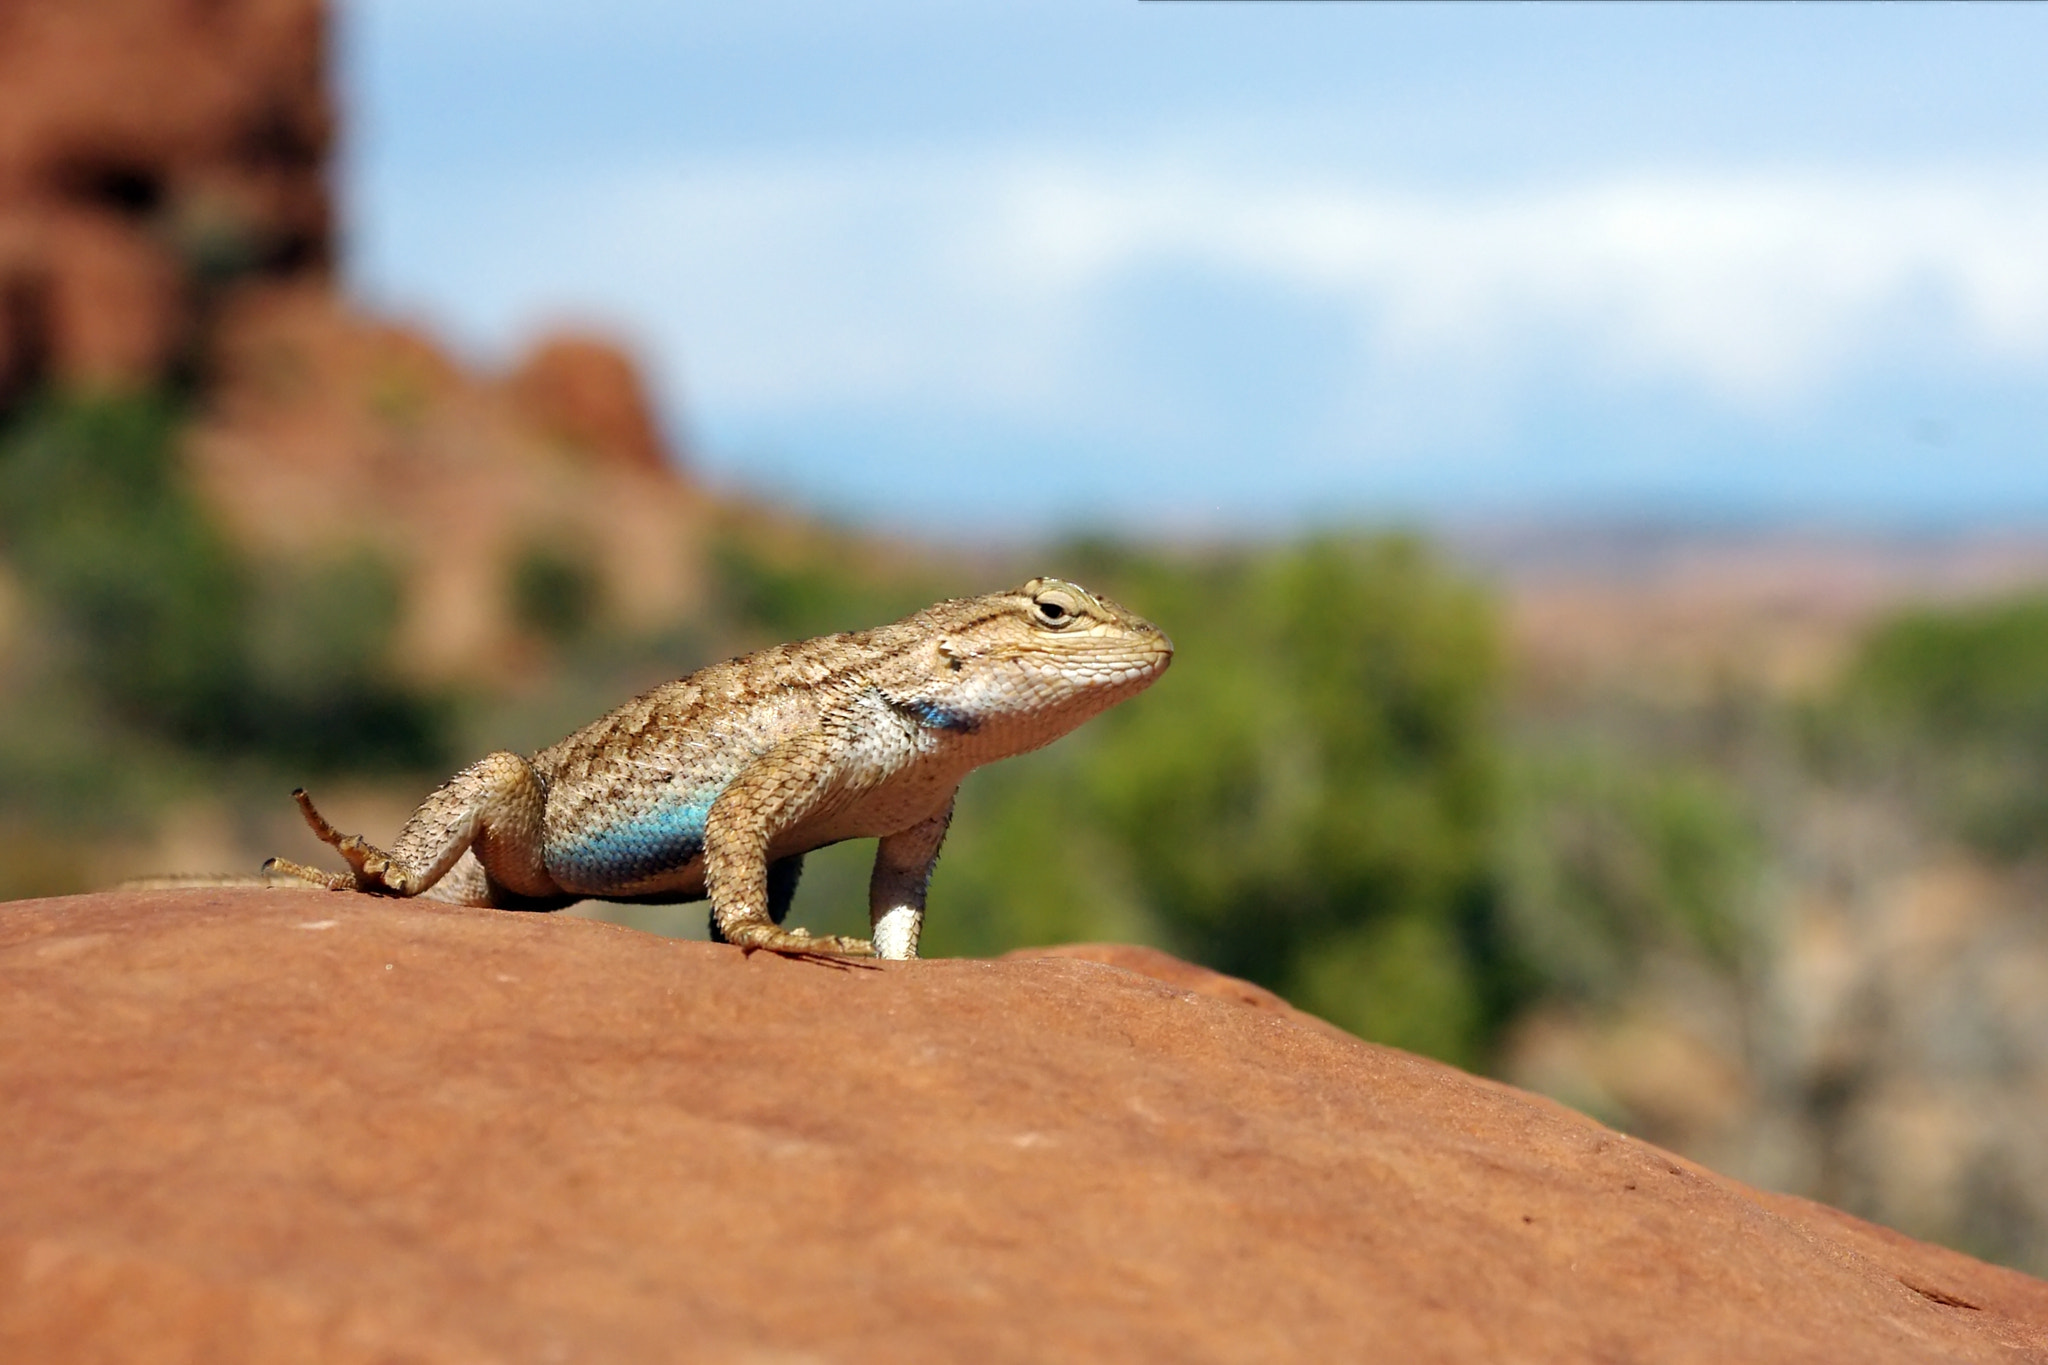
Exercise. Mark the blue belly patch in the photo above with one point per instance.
(630, 851)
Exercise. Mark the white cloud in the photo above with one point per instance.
(984, 282)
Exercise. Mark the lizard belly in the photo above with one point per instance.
(642, 852)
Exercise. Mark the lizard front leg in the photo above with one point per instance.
(896, 890)
(783, 875)
(494, 806)
(770, 794)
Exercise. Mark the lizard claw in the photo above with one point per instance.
(841, 945)
(374, 869)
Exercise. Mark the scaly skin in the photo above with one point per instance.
(717, 785)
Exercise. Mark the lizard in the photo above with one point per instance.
(715, 786)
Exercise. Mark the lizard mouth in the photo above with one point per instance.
(1130, 664)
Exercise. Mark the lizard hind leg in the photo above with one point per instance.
(370, 868)
(495, 808)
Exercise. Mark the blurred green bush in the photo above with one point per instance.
(1310, 802)
(155, 627)
(1322, 795)
(557, 594)
(1949, 706)
(1608, 858)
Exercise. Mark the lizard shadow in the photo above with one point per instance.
(835, 961)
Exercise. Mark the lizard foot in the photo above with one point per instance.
(776, 939)
(276, 870)
(375, 870)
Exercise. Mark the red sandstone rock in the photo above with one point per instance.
(327, 431)
(297, 1126)
(586, 392)
(1173, 971)
(143, 144)
(164, 213)
(114, 306)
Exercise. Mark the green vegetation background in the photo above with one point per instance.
(1335, 791)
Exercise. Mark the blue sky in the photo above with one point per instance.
(1006, 268)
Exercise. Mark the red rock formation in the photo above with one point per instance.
(585, 391)
(298, 1126)
(147, 149)
(164, 214)
(327, 430)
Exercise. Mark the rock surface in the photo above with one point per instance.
(291, 1126)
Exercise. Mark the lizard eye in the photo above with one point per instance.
(1053, 612)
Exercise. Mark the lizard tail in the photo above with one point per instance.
(178, 881)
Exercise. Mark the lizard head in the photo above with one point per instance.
(1023, 667)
